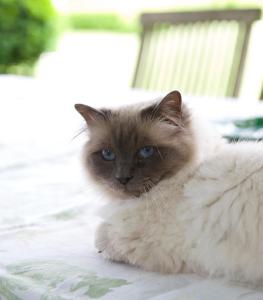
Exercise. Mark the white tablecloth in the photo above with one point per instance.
(47, 209)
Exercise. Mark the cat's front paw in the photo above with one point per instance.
(133, 249)
(105, 244)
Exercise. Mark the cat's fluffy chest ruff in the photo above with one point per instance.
(141, 231)
(211, 223)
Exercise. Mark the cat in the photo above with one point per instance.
(183, 200)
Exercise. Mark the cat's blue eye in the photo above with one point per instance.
(146, 152)
(107, 154)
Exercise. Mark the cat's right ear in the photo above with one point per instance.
(90, 114)
(169, 109)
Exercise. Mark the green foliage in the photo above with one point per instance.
(101, 21)
(26, 30)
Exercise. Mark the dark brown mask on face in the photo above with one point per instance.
(132, 149)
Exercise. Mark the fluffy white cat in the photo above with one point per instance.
(205, 217)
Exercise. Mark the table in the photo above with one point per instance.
(48, 209)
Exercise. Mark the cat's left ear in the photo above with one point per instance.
(90, 114)
(169, 109)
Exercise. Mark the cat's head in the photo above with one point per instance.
(133, 148)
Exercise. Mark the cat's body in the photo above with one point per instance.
(207, 217)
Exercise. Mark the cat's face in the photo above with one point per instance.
(130, 150)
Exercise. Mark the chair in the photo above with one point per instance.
(199, 53)
(261, 93)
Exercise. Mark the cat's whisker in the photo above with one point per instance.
(160, 208)
(149, 184)
(78, 133)
(159, 152)
(165, 207)
(147, 205)
(158, 205)
(161, 199)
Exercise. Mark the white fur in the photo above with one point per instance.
(208, 218)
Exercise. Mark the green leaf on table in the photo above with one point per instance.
(249, 123)
(47, 277)
(96, 287)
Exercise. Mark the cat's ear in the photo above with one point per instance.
(90, 114)
(169, 109)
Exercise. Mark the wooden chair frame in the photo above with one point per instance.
(244, 17)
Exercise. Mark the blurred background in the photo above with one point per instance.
(94, 44)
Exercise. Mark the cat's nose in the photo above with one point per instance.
(123, 180)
